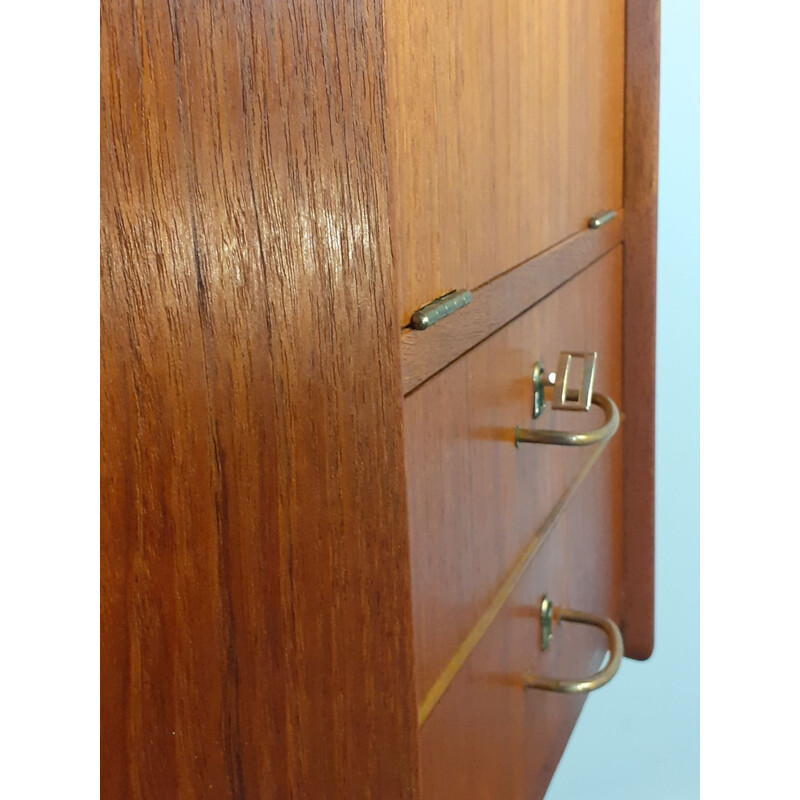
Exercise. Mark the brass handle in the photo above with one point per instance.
(569, 400)
(601, 678)
(606, 431)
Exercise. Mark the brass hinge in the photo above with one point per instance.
(440, 308)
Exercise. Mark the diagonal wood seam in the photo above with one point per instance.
(496, 303)
(522, 563)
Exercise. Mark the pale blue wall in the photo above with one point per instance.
(639, 736)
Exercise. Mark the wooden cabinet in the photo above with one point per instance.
(322, 554)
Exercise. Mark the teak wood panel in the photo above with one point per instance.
(639, 320)
(505, 133)
(255, 602)
(474, 499)
(489, 737)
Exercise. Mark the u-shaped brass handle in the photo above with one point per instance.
(593, 682)
(608, 429)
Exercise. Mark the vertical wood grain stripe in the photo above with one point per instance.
(639, 319)
(477, 632)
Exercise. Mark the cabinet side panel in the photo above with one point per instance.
(255, 607)
(639, 312)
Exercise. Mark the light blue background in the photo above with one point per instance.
(639, 737)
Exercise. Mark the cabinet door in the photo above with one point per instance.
(505, 133)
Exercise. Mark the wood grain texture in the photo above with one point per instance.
(488, 737)
(504, 591)
(505, 133)
(255, 609)
(639, 320)
(475, 501)
(423, 353)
